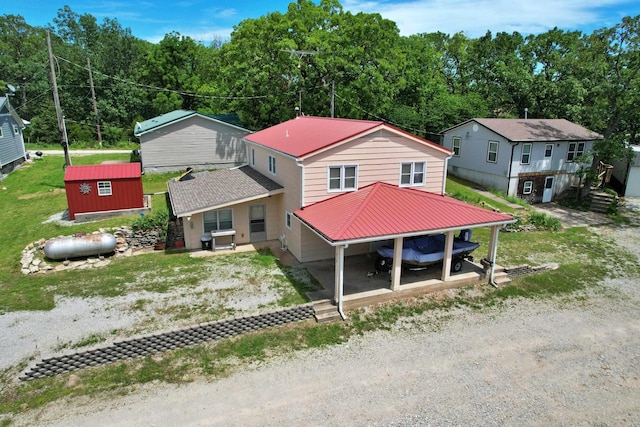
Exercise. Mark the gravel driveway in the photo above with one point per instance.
(569, 362)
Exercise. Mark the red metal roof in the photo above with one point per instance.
(305, 135)
(382, 210)
(104, 171)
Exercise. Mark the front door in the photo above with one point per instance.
(257, 225)
(547, 194)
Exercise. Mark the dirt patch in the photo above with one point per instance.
(53, 192)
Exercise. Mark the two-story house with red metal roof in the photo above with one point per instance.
(328, 188)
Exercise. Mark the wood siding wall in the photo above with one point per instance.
(195, 142)
(126, 193)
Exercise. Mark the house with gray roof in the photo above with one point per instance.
(12, 152)
(534, 159)
(185, 139)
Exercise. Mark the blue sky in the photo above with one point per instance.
(204, 20)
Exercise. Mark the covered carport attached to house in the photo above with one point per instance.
(382, 212)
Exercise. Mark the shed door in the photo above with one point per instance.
(548, 189)
(257, 225)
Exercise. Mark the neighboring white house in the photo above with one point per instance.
(528, 158)
(186, 139)
(628, 174)
(12, 152)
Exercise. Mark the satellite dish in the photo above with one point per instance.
(11, 87)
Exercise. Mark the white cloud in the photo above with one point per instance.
(475, 17)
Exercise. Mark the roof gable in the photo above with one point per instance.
(382, 210)
(535, 130)
(307, 135)
(5, 104)
(104, 171)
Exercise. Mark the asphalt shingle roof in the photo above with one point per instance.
(210, 190)
(531, 130)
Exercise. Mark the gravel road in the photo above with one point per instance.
(569, 362)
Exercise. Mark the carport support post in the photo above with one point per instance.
(493, 249)
(339, 277)
(397, 263)
(446, 262)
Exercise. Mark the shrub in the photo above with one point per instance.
(544, 221)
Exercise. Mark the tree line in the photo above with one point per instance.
(324, 60)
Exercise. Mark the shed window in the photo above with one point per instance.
(576, 149)
(272, 165)
(412, 173)
(456, 145)
(253, 157)
(342, 178)
(527, 187)
(526, 154)
(16, 129)
(548, 150)
(287, 219)
(218, 220)
(1, 133)
(104, 188)
(492, 152)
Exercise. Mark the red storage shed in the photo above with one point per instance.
(103, 188)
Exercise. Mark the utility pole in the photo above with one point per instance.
(56, 100)
(333, 98)
(95, 106)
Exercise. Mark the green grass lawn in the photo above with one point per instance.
(33, 193)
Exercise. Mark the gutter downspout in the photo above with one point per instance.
(301, 183)
(446, 167)
(513, 146)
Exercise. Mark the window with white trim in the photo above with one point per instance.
(272, 165)
(527, 187)
(548, 150)
(492, 152)
(253, 157)
(343, 178)
(576, 149)
(412, 173)
(287, 220)
(525, 158)
(1, 133)
(16, 129)
(456, 145)
(219, 220)
(104, 188)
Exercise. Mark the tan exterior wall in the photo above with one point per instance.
(194, 229)
(378, 157)
(194, 142)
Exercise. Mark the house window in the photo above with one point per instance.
(104, 188)
(548, 150)
(527, 187)
(272, 165)
(492, 152)
(253, 157)
(16, 129)
(342, 178)
(576, 149)
(412, 173)
(526, 154)
(287, 220)
(456, 145)
(1, 133)
(218, 220)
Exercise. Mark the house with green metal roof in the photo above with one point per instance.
(184, 139)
